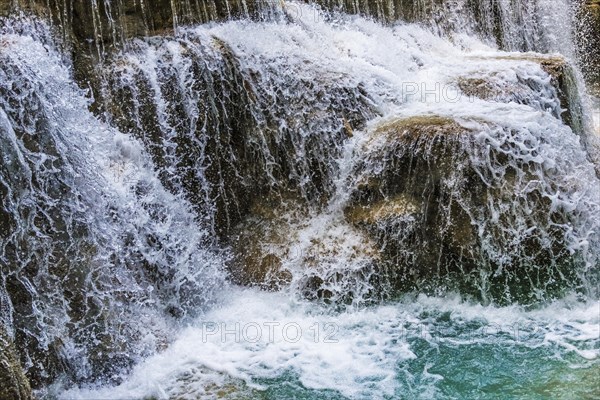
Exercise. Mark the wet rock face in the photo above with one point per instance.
(13, 382)
(408, 204)
(564, 102)
(198, 134)
(321, 257)
(511, 27)
(588, 32)
(565, 82)
(262, 242)
(106, 22)
(225, 130)
(62, 280)
(327, 268)
(64, 250)
(445, 221)
(93, 29)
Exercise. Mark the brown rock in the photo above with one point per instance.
(13, 382)
(526, 91)
(435, 214)
(261, 242)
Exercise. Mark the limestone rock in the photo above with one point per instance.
(526, 90)
(281, 244)
(565, 82)
(13, 382)
(255, 136)
(111, 22)
(417, 156)
(445, 222)
(261, 242)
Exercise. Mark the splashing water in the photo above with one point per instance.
(596, 116)
(419, 348)
(371, 70)
(103, 250)
(225, 135)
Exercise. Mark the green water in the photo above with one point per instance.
(416, 348)
(470, 371)
(478, 372)
(468, 357)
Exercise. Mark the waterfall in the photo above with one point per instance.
(92, 244)
(170, 163)
(530, 25)
(276, 125)
(541, 25)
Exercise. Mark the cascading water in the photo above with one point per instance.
(422, 209)
(92, 245)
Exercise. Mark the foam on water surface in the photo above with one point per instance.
(397, 349)
(415, 347)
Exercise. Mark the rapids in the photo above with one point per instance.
(133, 212)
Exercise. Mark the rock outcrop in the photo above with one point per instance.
(223, 132)
(445, 222)
(588, 32)
(71, 265)
(527, 90)
(93, 29)
(321, 257)
(13, 382)
(262, 242)
(426, 215)
(105, 23)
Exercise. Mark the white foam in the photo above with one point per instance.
(371, 344)
(365, 351)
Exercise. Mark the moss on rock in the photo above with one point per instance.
(14, 385)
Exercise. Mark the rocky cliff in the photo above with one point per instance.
(589, 40)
